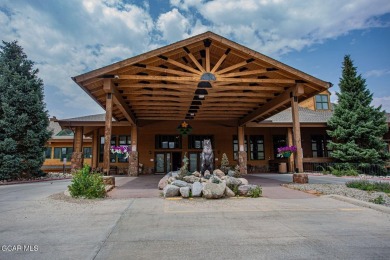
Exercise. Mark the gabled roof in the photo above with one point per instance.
(168, 83)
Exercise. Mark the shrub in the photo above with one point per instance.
(369, 186)
(378, 200)
(343, 169)
(255, 193)
(87, 185)
(234, 188)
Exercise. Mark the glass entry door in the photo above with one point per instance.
(163, 161)
(194, 163)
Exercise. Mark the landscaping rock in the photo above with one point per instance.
(109, 180)
(203, 180)
(171, 191)
(243, 181)
(197, 174)
(231, 173)
(207, 174)
(191, 179)
(218, 173)
(215, 179)
(224, 177)
(163, 182)
(213, 190)
(197, 189)
(185, 192)
(175, 174)
(180, 183)
(229, 192)
(233, 181)
(171, 179)
(243, 190)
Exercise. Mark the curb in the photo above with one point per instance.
(360, 203)
(33, 181)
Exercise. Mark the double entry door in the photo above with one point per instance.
(167, 161)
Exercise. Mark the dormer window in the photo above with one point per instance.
(322, 102)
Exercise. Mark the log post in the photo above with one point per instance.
(242, 155)
(297, 133)
(95, 155)
(108, 126)
(77, 155)
(133, 154)
(290, 143)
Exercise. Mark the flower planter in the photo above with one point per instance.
(300, 178)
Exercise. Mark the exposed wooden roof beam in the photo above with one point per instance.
(163, 70)
(273, 104)
(180, 65)
(197, 64)
(244, 73)
(219, 62)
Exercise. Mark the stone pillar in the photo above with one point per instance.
(133, 155)
(107, 134)
(95, 155)
(77, 155)
(290, 143)
(297, 134)
(242, 154)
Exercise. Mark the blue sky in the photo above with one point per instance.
(66, 38)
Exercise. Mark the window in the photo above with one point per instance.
(63, 152)
(87, 152)
(47, 153)
(322, 102)
(278, 141)
(168, 141)
(256, 147)
(196, 141)
(116, 140)
(236, 148)
(319, 146)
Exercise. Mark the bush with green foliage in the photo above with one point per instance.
(378, 200)
(234, 188)
(255, 193)
(23, 116)
(343, 169)
(224, 163)
(184, 169)
(87, 184)
(369, 186)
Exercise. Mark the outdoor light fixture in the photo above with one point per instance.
(196, 103)
(204, 84)
(198, 98)
(201, 92)
(194, 107)
(192, 111)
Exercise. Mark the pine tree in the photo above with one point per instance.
(357, 128)
(23, 118)
(224, 163)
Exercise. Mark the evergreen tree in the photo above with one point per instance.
(224, 163)
(357, 128)
(23, 118)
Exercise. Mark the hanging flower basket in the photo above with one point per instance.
(286, 151)
(121, 151)
(184, 128)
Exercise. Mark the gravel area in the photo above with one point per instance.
(339, 189)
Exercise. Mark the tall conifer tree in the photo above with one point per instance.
(23, 118)
(357, 128)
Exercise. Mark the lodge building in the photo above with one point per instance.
(248, 104)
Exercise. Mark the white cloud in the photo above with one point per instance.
(173, 25)
(383, 101)
(377, 73)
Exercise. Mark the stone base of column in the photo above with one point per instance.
(242, 162)
(76, 161)
(133, 163)
(300, 178)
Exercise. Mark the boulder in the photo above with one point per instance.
(243, 181)
(197, 174)
(207, 174)
(197, 189)
(171, 179)
(233, 181)
(185, 192)
(180, 183)
(175, 174)
(231, 173)
(218, 173)
(203, 180)
(213, 190)
(109, 180)
(228, 192)
(243, 190)
(224, 177)
(191, 179)
(171, 191)
(215, 179)
(163, 182)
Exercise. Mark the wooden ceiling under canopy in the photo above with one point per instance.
(205, 77)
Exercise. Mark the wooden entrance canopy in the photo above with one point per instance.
(205, 77)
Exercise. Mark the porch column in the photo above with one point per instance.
(290, 143)
(133, 154)
(107, 134)
(95, 155)
(297, 133)
(77, 155)
(242, 155)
